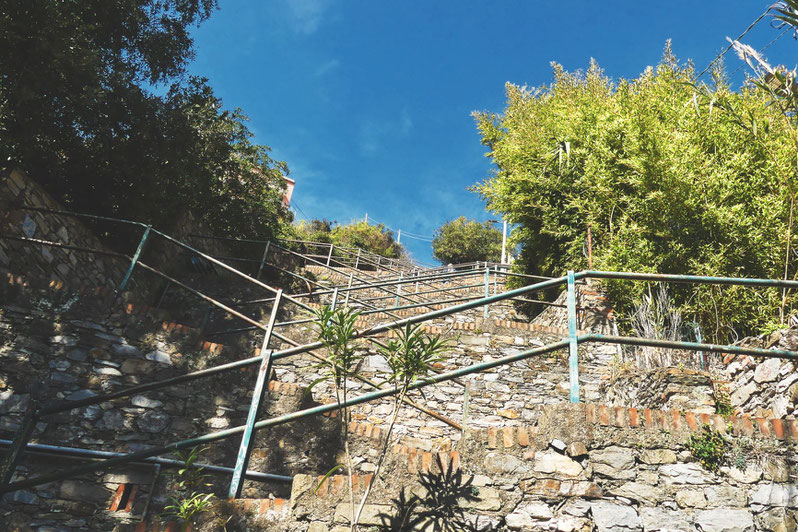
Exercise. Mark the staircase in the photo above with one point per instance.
(504, 450)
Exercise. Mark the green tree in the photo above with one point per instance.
(462, 240)
(376, 239)
(668, 181)
(78, 113)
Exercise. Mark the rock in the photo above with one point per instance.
(552, 462)
(576, 507)
(78, 490)
(217, 422)
(126, 350)
(481, 480)
(781, 495)
(683, 474)
(488, 499)
(558, 445)
(741, 395)
(503, 463)
(566, 523)
(77, 355)
(60, 365)
(612, 517)
(370, 515)
(105, 370)
(159, 356)
(136, 366)
(80, 394)
(661, 520)
(22, 497)
(529, 516)
(776, 520)
(719, 496)
(657, 456)
(10, 403)
(519, 521)
(614, 462)
(724, 520)
(776, 470)
(640, 492)
(92, 412)
(767, 371)
(145, 402)
(111, 420)
(153, 421)
(691, 498)
(64, 340)
(576, 449)
(750, 475)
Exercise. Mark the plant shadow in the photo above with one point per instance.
(439, 508)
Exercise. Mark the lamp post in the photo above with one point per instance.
(504, 238)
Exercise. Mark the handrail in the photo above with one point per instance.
(573, 341)
(322, 409)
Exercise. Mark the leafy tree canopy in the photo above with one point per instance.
(462, 240)
(78, 114)
(377, 239)
(671, 176)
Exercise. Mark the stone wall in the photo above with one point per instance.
(47, 265)
(759, 386)
(580, 467)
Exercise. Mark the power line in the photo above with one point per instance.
(768, 45)
(743, 34)
(416, 237)
(404, 233)
(294, 204)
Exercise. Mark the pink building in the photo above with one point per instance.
(289, 190)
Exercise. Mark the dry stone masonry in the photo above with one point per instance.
(506, 450)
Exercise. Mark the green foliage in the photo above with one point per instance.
(190, 480)
(723, 404)
(336, 331)
(709, 447)
(186, 508)
(411, 354)
(672, 178)
(376, 239)
(87, 124)
(462, 240)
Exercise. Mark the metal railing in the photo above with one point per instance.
(267, 357)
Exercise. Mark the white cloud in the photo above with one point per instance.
(373, 133)
(306, 16)
(327, 67)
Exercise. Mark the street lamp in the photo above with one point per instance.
(504, 238)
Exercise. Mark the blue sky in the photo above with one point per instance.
(370, 102)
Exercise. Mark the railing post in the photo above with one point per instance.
(487, 290)
(495, 280)
(329, 255)
(573, 347)
(379, 258)
(398, 291)
(349, 291)
(357, 259)
(334, 298)
(18, 445)
(136, 255)
(245, 449)
(263, 259)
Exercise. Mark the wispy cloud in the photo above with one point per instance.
(373, 134)
(327, 67)
(306, 16)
